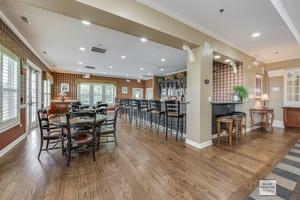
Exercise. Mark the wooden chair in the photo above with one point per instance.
(48, 133)
(143, 111)
(228, 121)
(101, 108)
(155, 109)
(173, 112)
(108, 129)
(81, 132)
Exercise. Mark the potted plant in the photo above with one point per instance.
(241, 92)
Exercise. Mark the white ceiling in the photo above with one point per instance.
(239, 20)
(61, 37)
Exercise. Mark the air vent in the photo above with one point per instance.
(99, 50)
(89, 67)
(25, 20)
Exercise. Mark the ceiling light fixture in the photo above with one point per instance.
(162, 69)
(163, 60)
(123, 57)
(217, 57)
(227, 60)
(144, 40)
(141, 68)
(80, 63)
(127, 75)
(104, 72)
(87, 23)
(255, 35)
(82, 49)
(111, 67)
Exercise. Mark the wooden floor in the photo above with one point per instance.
(143, 167)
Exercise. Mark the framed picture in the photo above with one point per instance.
(258, 85)
(64, 87)
(124, 90)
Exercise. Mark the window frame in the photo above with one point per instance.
(4, 126)
(285, 94)
(92, 91)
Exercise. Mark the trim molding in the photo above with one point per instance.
(276, 73)
(198, 145)
(12, 145)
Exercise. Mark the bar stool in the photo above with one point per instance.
(228, 121)
(237, 125)
(173, 111)
(244, 119)
(127, 109)
(155, 109)
(134, 104)
(143, 111)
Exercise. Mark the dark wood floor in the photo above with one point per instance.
(144, 166)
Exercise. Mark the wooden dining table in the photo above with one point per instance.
(61, 121)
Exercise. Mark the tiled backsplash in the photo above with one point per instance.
(224, 80)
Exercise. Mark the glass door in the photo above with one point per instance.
(32, 77)
(137, 93)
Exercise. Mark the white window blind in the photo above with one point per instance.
(47, 93)
(93, 93)
(9, 104)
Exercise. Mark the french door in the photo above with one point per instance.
(32, 97)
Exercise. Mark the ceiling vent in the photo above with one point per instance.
(89, 67)
(25, 20)
(98, 50)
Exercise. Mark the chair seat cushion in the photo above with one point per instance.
(82, 137)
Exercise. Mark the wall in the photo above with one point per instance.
(224, 80)
(277, 98)
(10, 41)
(75, 79)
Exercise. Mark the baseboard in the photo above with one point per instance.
(11, 145)
(198, 145)
(278, 124)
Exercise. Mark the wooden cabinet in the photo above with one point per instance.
(291, 117)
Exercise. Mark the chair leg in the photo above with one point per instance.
(69, 152)
(177, 128)
(159, 117)
(218, 132)
(151, 121)
(41, 148)
(94, 157)
(47, 145)
(115, 138)
(166, 124)
(182, 127)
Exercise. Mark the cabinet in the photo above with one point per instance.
(291, 117)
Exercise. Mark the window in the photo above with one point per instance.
(9, 90)
(93, 93)
(47, 93)
(292, 87)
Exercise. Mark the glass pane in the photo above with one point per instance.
(109, 94)
(84, 92)
(97, 93)
(290, 83)
(9, 105)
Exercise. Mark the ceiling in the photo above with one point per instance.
(239, 21)
(61, 37)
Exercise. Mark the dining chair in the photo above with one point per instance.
(81, 133)
(156, 112)
(101, 108)
(48, 133)
(108, 129)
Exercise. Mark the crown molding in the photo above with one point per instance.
(19, 35)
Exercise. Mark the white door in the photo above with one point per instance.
(149, 93)
(137, 93)
(32, 97)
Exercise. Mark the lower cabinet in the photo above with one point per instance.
(291, 117)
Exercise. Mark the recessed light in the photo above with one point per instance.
(111, 67)
(254, 35)
(82, 49)
(276, 52)
(144, 40)
(87, 23)
(149, 73)
(141, 68)
(104, 72)
(44, 52)
(123, 57)
(217, 57)
(127, 75)
(162, 69)
(221, 10)
(228, 60)
(79, 69)
(163, 60)
(80, 63)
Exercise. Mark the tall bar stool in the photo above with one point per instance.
(228, 121)
(173, 111)
(156, 111)
(134, 110)
(127, 109)
(143, 111)
(244, 119)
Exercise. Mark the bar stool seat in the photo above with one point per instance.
(228, 121)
